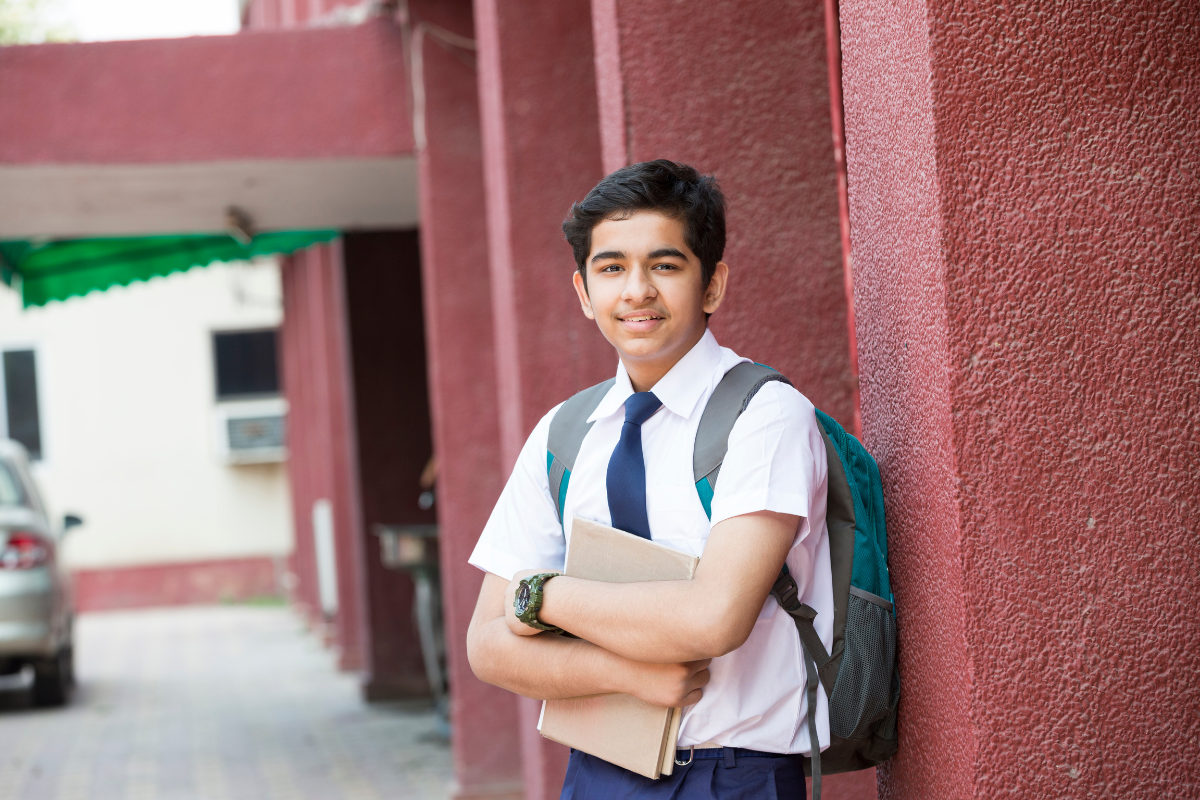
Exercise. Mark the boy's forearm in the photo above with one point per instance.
(671, 621)
(544, 667)
(653, 621)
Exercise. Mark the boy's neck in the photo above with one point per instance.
(644, 373)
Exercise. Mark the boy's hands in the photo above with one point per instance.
(669, 685)
(666, 685)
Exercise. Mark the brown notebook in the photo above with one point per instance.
(619, 728)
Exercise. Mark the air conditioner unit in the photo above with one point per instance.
(251, 431)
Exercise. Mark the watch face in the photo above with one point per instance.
(522, 602)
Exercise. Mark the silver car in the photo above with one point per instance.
(36, 615)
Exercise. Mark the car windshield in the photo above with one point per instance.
(10, 487)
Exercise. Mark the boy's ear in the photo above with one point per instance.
(584, 301)
(715, 293)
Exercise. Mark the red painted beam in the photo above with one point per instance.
(321, 93)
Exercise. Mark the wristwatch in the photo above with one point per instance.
(528, 600)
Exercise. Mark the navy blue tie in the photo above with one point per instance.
(627, 469)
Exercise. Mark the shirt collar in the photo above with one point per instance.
(679, 390)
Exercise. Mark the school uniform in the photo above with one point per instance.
(754, 706)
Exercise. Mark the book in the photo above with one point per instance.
(618, 728)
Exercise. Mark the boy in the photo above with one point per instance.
(648, 242)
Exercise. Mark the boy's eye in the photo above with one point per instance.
(665, 266)
(611, 268)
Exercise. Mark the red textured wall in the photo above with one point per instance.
(1024, 219)
(541, 154)
(462, 386)
(741, 89)
(280, 94)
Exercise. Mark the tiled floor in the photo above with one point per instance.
(220, 703)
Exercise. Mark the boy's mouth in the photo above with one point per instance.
(641, 322)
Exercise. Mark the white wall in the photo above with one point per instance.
(126, 389)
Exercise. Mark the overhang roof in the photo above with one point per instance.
(46, 271)
(297, 129)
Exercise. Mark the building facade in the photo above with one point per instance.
(967, 231)
(131, 432)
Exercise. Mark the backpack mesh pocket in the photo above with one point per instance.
(867, 686)
(887, 728)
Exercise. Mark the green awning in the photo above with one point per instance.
(57, 269)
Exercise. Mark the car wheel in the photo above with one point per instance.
(53, 677)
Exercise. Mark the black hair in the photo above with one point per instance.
(667, 187)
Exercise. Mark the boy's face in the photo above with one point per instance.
(644, 289)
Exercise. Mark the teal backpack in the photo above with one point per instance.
(859, 675)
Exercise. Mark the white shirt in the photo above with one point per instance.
(776, 462)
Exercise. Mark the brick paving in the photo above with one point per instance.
(219, 703)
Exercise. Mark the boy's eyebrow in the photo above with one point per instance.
(608, 254)
(663, 252)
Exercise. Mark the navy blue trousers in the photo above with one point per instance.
(717, 774)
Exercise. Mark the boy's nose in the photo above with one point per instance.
(637, 285)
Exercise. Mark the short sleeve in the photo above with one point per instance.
(776, 458)
(523, 531)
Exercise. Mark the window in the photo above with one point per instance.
(11, 493)
(247, 364)
(21, 400)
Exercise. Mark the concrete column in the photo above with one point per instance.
(741, 89)
(1024, 222)
(462, 384)
(541, 153)
(302, 562)
(541, 147)
(318, 382)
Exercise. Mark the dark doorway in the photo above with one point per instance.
(394, 441)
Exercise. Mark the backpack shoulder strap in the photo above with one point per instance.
(567, 430)
(731, 397)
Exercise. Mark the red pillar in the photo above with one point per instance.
(462, 385)
(541, 147)
(749, 100)
(741, 89)
(1024, 221)
(321, 428)
(292, 345)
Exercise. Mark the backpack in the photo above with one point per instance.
(860, 675)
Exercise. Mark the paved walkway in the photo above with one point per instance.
(219, 703)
